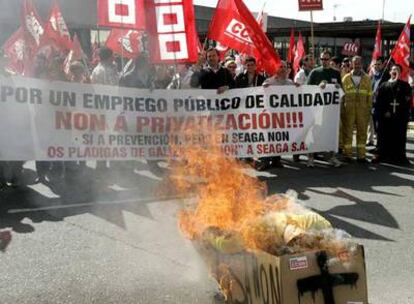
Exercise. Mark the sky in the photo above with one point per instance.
(395, 10)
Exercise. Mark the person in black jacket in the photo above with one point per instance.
(213, 76)
(250, 77)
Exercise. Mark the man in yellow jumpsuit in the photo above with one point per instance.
(357, 109)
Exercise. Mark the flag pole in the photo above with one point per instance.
(312, 37)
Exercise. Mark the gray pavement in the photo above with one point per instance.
(121, 244)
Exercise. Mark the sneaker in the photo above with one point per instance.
(370, 144)
(335, 162)
(310, 163)
(296, 158)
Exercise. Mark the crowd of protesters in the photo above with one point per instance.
(366, 105)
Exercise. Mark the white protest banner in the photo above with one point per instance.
(43, 120)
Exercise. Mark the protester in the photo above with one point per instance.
(231, 66)
(75, 169)
(213, 76)
(336, 63)
(40, 71)
(182, 79)
(162, 77)
(378, 76)
(279, 79)
(393, 109)
(139, 76)
(357, 109)
(306, 65)
(321, 76)
(105, 73)
(346, 66)
(250, 77)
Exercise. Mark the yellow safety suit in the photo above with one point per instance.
(357, 112)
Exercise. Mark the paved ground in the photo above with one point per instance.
(122, 245)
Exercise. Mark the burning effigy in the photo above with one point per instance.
(243, 234)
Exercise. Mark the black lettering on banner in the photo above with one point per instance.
(87, 139)
(250, 103)
(62, 98)
(335, 99)
(318, 100)
(327, 97)
(264, 286)
(6, 91)
(101, 140)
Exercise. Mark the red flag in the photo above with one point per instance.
(56, 28)
(126, 43)
(401, 51)
(291, 49)
(172, 32)
(264, 49)
(75, 54)
(378, 44)
(226, 27)
(32, 25)
(127, 14)
(299, 54)
(14, 49)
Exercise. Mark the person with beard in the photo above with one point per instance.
(392, 108)
(357, 108)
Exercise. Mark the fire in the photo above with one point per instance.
(227, 198)
(233, 212)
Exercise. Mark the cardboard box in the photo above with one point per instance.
(261, 278)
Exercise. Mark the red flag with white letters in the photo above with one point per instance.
(226, 27)
(15, 48)
(264, 50)
(401, 51)
(32, 25)
(56, 28)
(233, 25)
(126, 43)
(127, 14)
(299, 54)
(172, 33)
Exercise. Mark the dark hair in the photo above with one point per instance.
(250, 59)
(105, 53)
(397, 65)
(212, 49)
(336, 60)
(326, 52)
(381, 58)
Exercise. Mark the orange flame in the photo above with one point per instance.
(228, 198)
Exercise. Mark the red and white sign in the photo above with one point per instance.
(298, 263)
(310, 5)
(122, 13)
(126, 43)
(172, 32)
(351, 48)
(57, 29)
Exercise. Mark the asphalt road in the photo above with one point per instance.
(121, 244)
